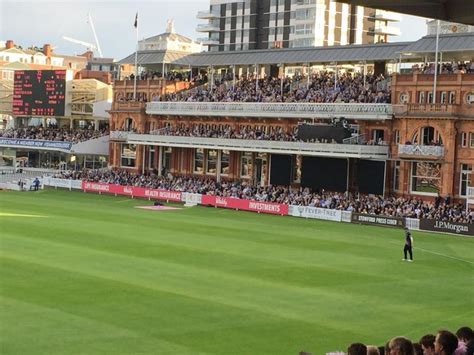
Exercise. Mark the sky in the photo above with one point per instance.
(36, 22)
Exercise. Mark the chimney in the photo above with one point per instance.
(47, 51)
(9, 44)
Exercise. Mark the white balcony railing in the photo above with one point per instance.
(387, 16)
(422, 151)
(387, 30)
(208, 14)
(276, 147)
(273, 110)
(208, 41)
(119, 135)
(206, 27)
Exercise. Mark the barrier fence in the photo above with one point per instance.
(264, 207)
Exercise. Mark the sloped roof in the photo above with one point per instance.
(171, 36)
(154, 57)
(447, 43)
(13, 50)
(459, 43)
(16, 66)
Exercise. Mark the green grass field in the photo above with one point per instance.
(88, 274)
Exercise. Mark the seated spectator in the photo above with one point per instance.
(427, 344)
(466, 337)
(401, 346)
(357, 349)
(446, 343)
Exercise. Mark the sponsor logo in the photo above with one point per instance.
(169, 195)
(458, 228)
(220, 201)
(97, 187)
(381, 220)
(151, 193)
(266, 207)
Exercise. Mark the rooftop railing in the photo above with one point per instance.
(276, 147)
(274, 110)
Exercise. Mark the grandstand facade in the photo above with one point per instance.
(380, 131)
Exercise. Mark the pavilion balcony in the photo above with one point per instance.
(264, 146)
(273, 110)
(411, 151)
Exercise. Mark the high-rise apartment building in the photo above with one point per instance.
(263, 24)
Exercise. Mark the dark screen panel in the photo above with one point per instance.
(280, 170)
(39, 92)
(324, 173)
(370, 176)
(309, 131)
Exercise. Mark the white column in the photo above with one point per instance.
(307, 73)
(436, 62)
(233, 77)
(218, 167)
(160, 159)
(282, 79)
(256, 82)
(212, 78)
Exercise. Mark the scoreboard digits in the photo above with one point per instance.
(39, 92)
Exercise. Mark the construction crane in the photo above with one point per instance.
(89, 20)
(88, 45)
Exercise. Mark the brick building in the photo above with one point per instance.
(429, 148)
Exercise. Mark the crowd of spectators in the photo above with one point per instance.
(244, 132)
(170, 76)
(441, 209)
(443, 342)
(53, 133)
(321, 87)
(445, 68)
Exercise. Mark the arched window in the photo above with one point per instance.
(427, 135)
(128, 125)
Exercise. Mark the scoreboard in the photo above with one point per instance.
(39, 92)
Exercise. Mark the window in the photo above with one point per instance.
(430, 97)
(152, 157)
(427, 134)
(471, 139)
(470, 98)
(245, 164)
(452, 97)
(396, 176)
(443, 97)
(378, 135)
(426, 178)
(421, 97)
(211, 162)
(404, 98)
(464, 139)
(167, 153)
(225, 162)
(128, 155)
(466, 170)
(198, 161)
(396, 136)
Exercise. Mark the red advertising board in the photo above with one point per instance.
(225, 202)
(132, 191)
(245, 205)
